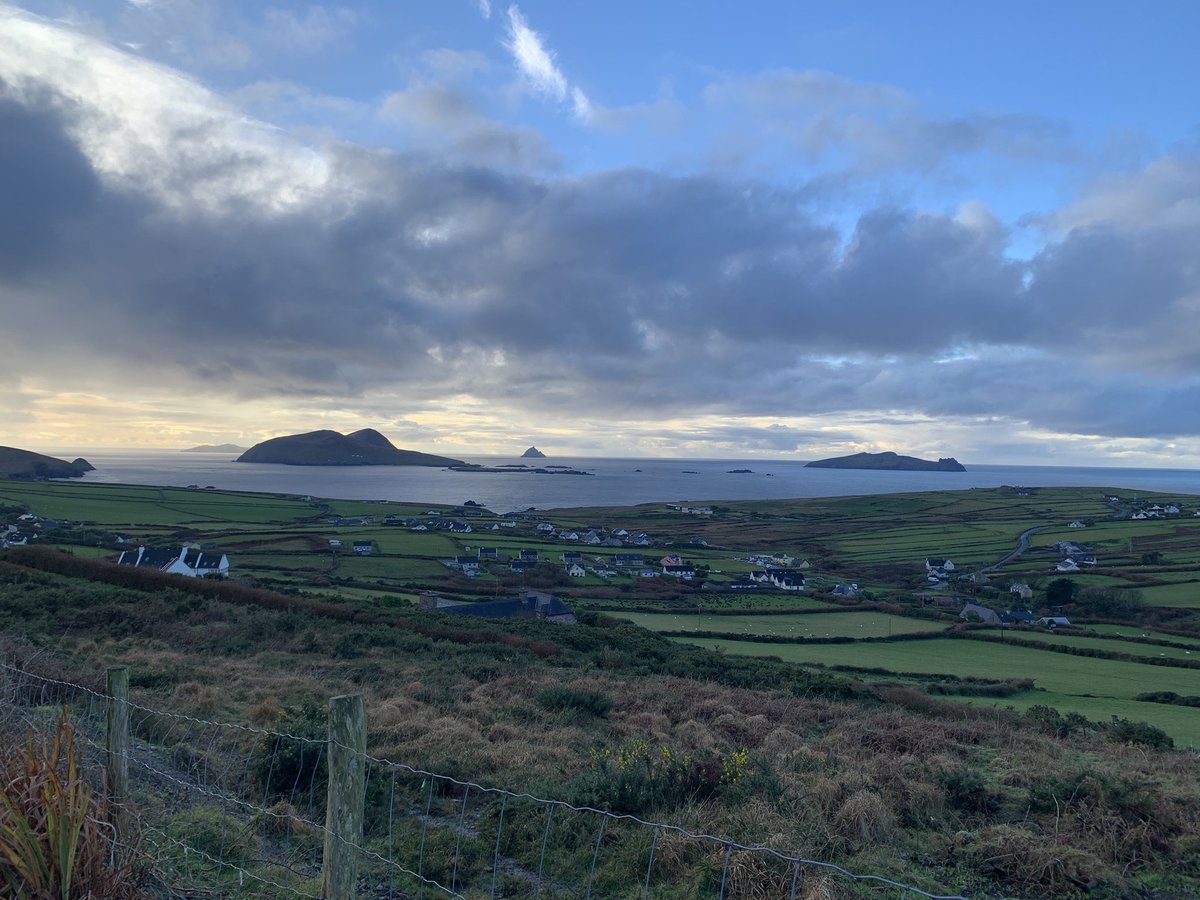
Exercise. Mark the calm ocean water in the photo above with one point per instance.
(615, 482)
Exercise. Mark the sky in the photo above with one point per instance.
(687, 229)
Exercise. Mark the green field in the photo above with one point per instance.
(1097, 643)
(1066, 682)
(844, 624)
(1182, 596)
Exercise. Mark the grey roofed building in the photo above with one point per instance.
(534, 605)
(990, 616)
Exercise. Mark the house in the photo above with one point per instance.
(760, 576)
(527, 555)
(335, 544)
(847, 589)
(362, 548)
(571, 556)
(938, 564)
(1069, 548)
(671, 561)
(522, 565)
(488, 553)
(621, 532)
(1139, 515)
(468, 564)
(421, 528)
(1172, 509)
(1054, 621)
(1077, 524)
(592, 539)
(611, 542)
(568, 535)
(691, 510)
(1067, 565)
(986, 615)
(686, 572)
(575, 570)
(190, 562)
(1017, 617)
(533, 605)
(627, 559)
(545, 526)
(788, 580)
(1022, 590)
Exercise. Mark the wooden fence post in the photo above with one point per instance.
(116, 763)
(345, 796)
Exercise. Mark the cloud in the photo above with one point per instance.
(152, 228)
(312, 31)
(450, 122)
(868, 126)
(535, 63)
(485, 8)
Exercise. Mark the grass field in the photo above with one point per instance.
(1097, 643)
(1094, 687)
(846, 624)
(1185, 595)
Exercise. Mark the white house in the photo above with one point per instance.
(190, 561)
(575, 570)
(1077, 524)
(1067, 565)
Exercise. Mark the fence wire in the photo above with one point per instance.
(229, 809)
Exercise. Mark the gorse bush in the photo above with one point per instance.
(53, 841)
(638, 777)
(591, 703)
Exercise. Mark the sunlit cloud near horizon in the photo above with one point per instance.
(648, 232)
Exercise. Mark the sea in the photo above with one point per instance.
(608, 482)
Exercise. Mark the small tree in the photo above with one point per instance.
(1060, 592)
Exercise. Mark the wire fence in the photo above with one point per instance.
(227, 809)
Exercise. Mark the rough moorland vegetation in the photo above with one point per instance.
(886, 779)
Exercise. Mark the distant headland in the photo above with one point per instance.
(215, 448)
(888, 461)
(331, 448)
(16, 463)
(533, 453)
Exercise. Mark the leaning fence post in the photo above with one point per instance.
(116, 771)
(345, 796)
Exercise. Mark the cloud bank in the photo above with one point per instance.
(155, 240)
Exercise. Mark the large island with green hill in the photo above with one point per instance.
(888, 461)
(366, 447)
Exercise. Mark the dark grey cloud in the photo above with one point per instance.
(45, 181)
(626, 293)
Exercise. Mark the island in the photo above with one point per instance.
(533, 453)
(330, 448)
(215, 448)
(888, 461)
(517, 469)
(16, 463)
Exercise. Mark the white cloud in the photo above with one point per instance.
(485, 8)
(534, 61)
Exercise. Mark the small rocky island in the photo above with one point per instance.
(533, 453)
(331, 448)
(888, 461)
(16, 463)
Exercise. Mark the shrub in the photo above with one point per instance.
(52, 837)
(591, 703)
(1141, 733)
